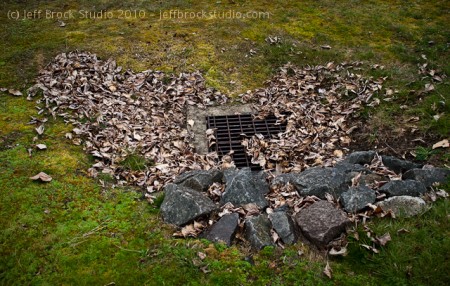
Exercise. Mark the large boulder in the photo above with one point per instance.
(182, 205)
(245, 187)
(357, 198)
(322, 222)
(257, 231)
(283, 224)
(428, 176)
(398, 165)
(360, 157)
(199, 180)
(404, 188)
(316, 181)
(403, 206)
(224, 230)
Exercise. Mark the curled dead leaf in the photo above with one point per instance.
(341, 252)
(328, 271)
(441, 144)
(40, 129)
(382, 240)
(41, 177)
(201, 255)
(41, 146)
(15, 92)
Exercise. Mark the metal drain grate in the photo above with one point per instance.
(231, 129)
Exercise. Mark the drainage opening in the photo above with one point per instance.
(231, 129)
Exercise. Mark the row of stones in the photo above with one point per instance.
(186, 200)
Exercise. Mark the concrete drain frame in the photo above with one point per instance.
(231, 124)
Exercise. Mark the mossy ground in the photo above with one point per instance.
(73, 231)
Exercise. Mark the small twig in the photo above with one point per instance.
(78, 243)
(392, 149)
(126, 249)
(92, 231)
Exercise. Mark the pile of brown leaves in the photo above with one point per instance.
(318, 103)
(117, 113)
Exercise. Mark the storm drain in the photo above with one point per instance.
(231, 129)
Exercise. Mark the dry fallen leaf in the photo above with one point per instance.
(429, 87)
(201, 255)
(368, 247)
(15, 92)
(341, 252)
(338, 153)
(251, 209)
(41, 146)
(385, 238)
(402, 230)
(188, 230)
(442, 193)
(328, 271)
(441, 144)
(40, 129)
(42, 177)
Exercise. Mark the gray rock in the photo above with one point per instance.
(283, 208)
(316, 181)
(352, 170)
(284, 226)
(229, 173)
(403, 206)
(181, 205)
(356, 199)
(404, 188)
(244, 187)
(428, 176)
(322, 222)
(398, 165)
(360, 157)
(224, 230)
(199, 180)
(257, 231)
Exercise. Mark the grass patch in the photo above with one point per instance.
(135, 162)
(417, 255)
